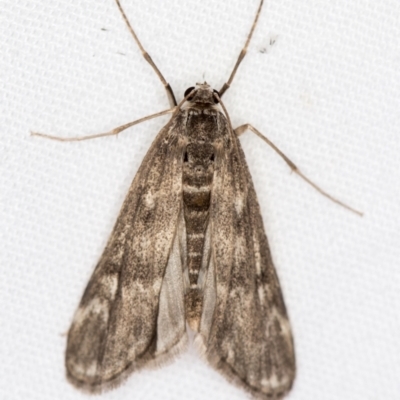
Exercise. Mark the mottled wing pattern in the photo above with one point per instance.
(249, 339)
(129, 316)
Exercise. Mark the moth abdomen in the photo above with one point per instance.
(193, 307)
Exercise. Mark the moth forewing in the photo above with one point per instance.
(113, 331)
(250, 339)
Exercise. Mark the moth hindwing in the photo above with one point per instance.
(188, 247)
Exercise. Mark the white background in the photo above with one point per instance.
(327, 92)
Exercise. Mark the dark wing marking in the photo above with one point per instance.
(249, 340)
(120, 317)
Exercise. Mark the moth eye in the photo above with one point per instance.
(212, 157)
(185, 157)
(187, 91)
(216, 101)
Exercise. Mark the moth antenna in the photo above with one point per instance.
(242, 53)
(146, 55)
(294, 167)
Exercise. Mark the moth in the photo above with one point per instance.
(188, 251)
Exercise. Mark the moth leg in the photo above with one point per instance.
(146, 55)
(114, 131)
(242, 53)
(241, 129)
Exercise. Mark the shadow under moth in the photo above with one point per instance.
(188, 249)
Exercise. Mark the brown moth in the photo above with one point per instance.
(189, 246)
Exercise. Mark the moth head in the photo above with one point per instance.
(202, 94)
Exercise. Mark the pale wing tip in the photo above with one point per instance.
(97, 387)
(89, 388)
(266, 389)
(91, 382)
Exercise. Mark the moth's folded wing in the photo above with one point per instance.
(124, 320)
(249, 338)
